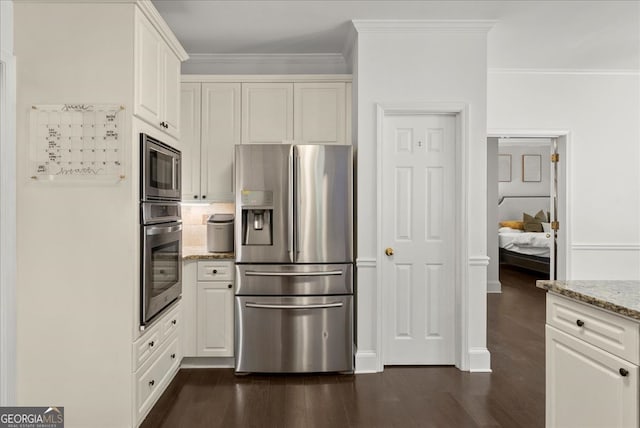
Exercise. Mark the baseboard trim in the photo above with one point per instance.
(494, 287)
(479, 360)
(366, 362)
(207, 363)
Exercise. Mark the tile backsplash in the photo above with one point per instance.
(194, 221)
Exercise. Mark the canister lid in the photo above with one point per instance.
(221, 218)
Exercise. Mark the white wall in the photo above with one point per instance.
(518, 187)
(601, 113)
(7, 208)
(78, 242)
(416, 66)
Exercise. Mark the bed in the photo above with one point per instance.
(528, 250)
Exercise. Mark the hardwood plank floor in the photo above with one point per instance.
(512, 396)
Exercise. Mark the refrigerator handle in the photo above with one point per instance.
(290, 214)
(296, 222)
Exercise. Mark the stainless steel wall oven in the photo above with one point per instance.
(161, 228)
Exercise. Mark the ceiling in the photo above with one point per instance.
(551, 34)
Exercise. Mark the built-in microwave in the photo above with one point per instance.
(161, 257)
(161, 170)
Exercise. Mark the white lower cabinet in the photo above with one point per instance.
(208, 294)
(157, 354)
(586, 385)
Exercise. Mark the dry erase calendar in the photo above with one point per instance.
(72, 142)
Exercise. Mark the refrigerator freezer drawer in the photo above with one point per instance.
(294, 280)
(294, 334)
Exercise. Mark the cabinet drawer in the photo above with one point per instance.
(146, 346)
(152, 378)
(171, 323)
(605, 330)
(215, 271)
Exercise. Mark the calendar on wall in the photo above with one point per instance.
(74, 142)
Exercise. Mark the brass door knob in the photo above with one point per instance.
(389, 251)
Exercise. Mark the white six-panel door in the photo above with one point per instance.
(418, 215)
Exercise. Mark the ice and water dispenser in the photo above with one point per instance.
(257, 217)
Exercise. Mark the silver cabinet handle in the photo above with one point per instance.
(259, 273)
(318, 306)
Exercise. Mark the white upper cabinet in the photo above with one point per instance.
(319, 112)
(157, 79)
(267, 112)
(189, 143)
(210, 117)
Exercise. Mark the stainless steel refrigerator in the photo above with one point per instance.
(294, 258)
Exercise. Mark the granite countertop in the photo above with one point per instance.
(621, 297)
(201, 253)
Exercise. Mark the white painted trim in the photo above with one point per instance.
(461, 112)
(366, 362)
(605, 247)
(349, 46)
(8, 262)
(526, 133)
(207, 362)
(264, 78)
(268, 58)
(479, 261)
(479, 360)
(494, 287)
(362, 262)
(565, 71)
(423, 25)
(152, 14)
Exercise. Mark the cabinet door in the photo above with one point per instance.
(319, 113)
(267, 112)
(171, 92)
(189, 309)
(586, 386)
(215, 319)
(220, 133)
(189, 143)
(148, 78)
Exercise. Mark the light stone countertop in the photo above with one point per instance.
(201, 253)
(621, 297)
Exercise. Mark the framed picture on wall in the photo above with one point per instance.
(504, 168)
(531, 168)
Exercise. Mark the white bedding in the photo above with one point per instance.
(530, 243)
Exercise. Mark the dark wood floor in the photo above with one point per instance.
(512, 396)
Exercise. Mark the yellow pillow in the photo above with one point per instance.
(513, 224)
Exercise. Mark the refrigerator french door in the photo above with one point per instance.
(294, 255)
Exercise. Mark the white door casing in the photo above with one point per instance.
(418, 223)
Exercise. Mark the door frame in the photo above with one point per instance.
(563, 137)
(461, 113)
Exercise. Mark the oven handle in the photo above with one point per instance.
(156, 230)
(327, 273)
(318, 306)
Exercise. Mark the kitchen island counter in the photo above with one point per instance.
(621, 297)
(201, 253)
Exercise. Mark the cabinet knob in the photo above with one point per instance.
(174, 322)
(151, 344)
(580, 323)
(173, 356)
(204, 196)
(230, 285)
(215, 271)
(164, 125)
(152, 382)
(624, 372)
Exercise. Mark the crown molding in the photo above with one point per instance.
(423, 25)
(264, 78)
(255, 58)
(565, 71)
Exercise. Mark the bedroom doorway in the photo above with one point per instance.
(526, 206)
